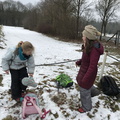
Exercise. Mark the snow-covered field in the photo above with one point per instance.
(64, 105)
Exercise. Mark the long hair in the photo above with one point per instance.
(88, 45)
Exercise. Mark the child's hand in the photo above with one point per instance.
(31, 74)
(7, 71)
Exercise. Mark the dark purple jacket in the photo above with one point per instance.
(88, 66)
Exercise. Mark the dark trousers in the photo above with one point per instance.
(16, 84)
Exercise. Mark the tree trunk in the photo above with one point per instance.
(102, 30)
(77, 23)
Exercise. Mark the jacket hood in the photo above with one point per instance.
(99, 47)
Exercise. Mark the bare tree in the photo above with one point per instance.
(106, 10)
(57, 16)
(81, 7)
(11, 13)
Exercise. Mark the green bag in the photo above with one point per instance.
(64, 80)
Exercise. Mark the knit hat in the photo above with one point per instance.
(91, 32)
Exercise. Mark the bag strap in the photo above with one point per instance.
(31, 99)
(23, 110)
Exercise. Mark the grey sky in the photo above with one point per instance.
(26, 1)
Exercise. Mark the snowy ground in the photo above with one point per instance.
(63, 105)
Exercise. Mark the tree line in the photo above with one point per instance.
(63, 18)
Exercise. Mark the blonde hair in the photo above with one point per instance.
(26, 46)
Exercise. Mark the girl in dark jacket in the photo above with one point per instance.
(92, 49)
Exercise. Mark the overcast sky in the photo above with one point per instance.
(26, 1)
